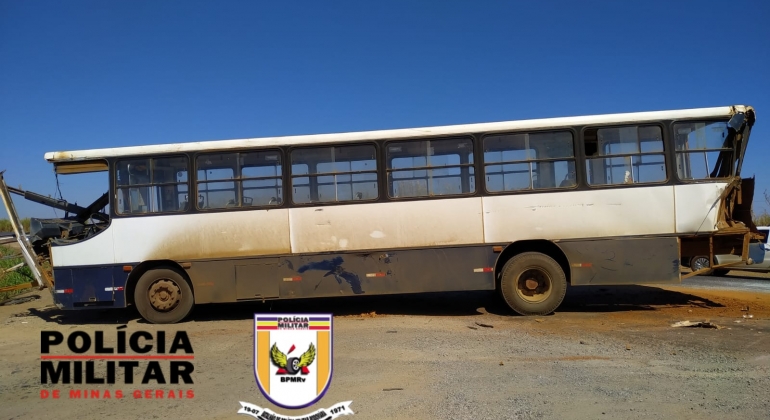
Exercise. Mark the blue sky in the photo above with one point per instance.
(89, 74)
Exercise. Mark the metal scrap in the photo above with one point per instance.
(696, 324)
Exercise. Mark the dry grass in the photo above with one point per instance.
(5, 225)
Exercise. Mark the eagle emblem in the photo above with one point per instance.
(292, 365)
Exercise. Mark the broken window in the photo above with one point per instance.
(152, 185)
(242, 179)
(703, 150)
(625, 155)
(425, 168)
(527, 161)
(334, 174)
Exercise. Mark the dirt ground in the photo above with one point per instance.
(608, 352)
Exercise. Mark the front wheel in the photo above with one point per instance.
(163, 296)
(533, 284)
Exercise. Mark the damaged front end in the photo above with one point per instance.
(79, 223)
(734, 228)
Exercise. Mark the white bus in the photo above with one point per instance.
(523, 207)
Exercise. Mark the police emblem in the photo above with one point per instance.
(293, 357)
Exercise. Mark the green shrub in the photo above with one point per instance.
(20, 276)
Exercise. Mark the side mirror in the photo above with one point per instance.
(766, 247)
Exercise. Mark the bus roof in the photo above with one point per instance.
(448, 130)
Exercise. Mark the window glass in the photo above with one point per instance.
(423, 168)
(514, 162)
(152, 185)
(261, 178)
(334, 174)
(625, 155)
(703, 150)
(240, 179)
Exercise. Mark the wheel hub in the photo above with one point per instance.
(534, 285)
(164, 295)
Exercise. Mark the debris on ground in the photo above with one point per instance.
(393, 389)
(539, 319)
(696, 324)
(16, 301)
(583, 342)
(371, 314)
(628, 347)
(748, 316)
(391, 332)
(484, 325)
(473, 328)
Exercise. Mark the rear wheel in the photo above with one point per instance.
(163, 296)
(533, 284)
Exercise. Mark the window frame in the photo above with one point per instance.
(665, 140)
(576, 158)
(290, 175)
(238, 181)
(675, 152)
(386, 172)
(114, 165)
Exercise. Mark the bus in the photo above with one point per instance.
(523, 207)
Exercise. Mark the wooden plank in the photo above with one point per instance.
(29, 285)
(14, 268)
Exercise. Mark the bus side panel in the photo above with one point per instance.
(83, 287)
(394, 225)
(325, 275)
(623, 261)
(697, 206)
(580, 214)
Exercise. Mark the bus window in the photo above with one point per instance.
(430, 168)
(529, 161)
(261, 175)
(334, 174)
(216, 180)
(625, 155)
(152, 185)
(703, 150)
(228, 180)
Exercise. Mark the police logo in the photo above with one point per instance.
(293, 357)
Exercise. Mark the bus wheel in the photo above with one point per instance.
(700, 262)
(533, 284)
(163, 296)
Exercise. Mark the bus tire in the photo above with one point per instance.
(700, 262)
(533, 284)
(163, 296)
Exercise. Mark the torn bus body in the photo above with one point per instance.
(83, 223)
(735, 228)
(35, 244)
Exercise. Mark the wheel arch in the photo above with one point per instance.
(145, 266)
(542, 246)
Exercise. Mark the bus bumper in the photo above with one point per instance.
(89, 287)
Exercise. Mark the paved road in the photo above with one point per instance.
(732, 281)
